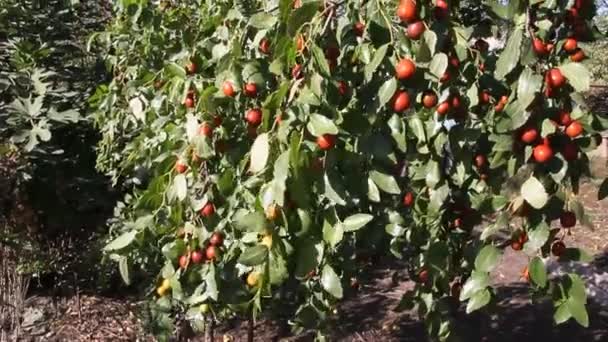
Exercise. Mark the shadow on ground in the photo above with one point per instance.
(514, 317)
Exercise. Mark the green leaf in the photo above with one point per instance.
(174, 249)
(499, 202)
(509, 58)
(123, 268)
(333, 235)
(207, 98)
(274, 100)
(281, 167)
(387, 90)
(430, 39)
(276, 67)
(211, 290)
(394, 229)
(121, 242)
(439, 64)
(356, 222)
(417, 127)
(308, 97)
(252, 72)
(137, 108)
(219, 51)
(395, 123)
(518, 114)
(487, 258)
(527, 87)
(500, 10)
(577, 288)
(262, 20)
(319, 125)
(34, 108)
(43, 133)
(334, 189)
(547, 128)
(176, 288)
(253, 256)
(321, 61)
(438, 197)
(301, 16)
(479, 300)
(538, 272)
(273, 192)
(578, 311)
(562, 314)
(534, 193)
(476, 282)
(308, 257)
(473, 95)
(202, 148)
(433, 174)
(181, 187)
(331, 282)
(578, 76)
(259, 153)
(371, 67)
(70, 115)
(175, 70)
(305, 222)
(251, 222)
(192, 126)
(537, 238)
(372, 191)
(277, 268)
(386, 183)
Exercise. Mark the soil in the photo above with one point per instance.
(82, 318)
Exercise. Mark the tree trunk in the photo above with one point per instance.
(210, 330)
(250, 329)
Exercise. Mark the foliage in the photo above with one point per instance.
(54, 197)
(34, 98)
(26, 120)
(300, 134)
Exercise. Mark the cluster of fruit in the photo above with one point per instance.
(212, 252)
(570, 45)
(408, 13)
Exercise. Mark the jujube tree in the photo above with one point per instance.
(277, 143)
